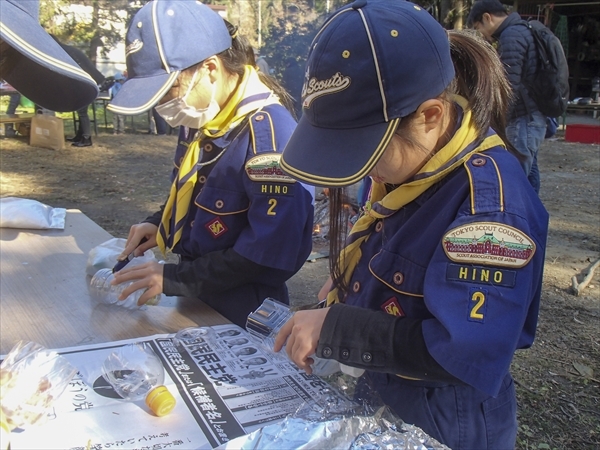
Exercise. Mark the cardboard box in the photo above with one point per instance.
(586, 134)
(47, 132)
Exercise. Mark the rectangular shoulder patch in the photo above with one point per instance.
(481, 275)
(273, 188)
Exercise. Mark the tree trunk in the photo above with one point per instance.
(459, 8)
(96, 41)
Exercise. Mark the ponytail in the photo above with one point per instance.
(240, 54)
(481, 79)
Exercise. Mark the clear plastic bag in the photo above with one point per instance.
(104, 256)
(31, 379)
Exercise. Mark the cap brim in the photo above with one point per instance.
(335, 157)
(138, 95)
(43, 72)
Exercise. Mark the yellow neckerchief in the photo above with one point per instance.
(381, 204)
(251, 94)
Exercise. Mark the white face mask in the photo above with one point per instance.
(177, 112)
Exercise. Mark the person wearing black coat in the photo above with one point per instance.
(526, 125)
(83, 137)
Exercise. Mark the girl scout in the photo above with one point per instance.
(240, 225)
(438, 283)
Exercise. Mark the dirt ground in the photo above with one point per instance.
(122, 179)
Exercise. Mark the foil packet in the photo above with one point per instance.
(338, 424)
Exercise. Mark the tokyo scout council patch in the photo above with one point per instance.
(265, 167)
(488, 243)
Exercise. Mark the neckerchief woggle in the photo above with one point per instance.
(250, 95)
(382, 204)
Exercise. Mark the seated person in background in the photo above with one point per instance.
(240, 226)
(35, 65)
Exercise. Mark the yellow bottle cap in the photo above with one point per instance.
(160, 401)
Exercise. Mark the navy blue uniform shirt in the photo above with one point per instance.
(245, 206)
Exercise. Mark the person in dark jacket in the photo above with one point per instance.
(83, 137)
(240, 226)
(526, 125)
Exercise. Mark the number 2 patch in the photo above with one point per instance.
(477, 310)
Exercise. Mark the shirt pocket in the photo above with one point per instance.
(220, 217)
(398, 273)
(222, 202)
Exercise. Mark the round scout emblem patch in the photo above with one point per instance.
(266, 168)
(490, 243)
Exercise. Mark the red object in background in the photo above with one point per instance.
(585, 134)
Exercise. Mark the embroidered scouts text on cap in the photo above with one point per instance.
(372, 63)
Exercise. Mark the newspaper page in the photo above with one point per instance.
(224, 383)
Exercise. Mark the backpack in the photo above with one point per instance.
(549, 87)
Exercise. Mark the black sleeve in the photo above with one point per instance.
(397, 347)
(83, 61)
(210, 274)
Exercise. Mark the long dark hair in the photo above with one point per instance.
(241, 54)
(481, 79)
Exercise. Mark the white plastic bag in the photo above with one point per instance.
(104, 256)
(26, 213)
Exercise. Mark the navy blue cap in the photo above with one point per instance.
(372, 63)
(164, 38)
(40, 69)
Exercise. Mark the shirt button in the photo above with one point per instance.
(259, 117)
(367, 357)
(398, 278)
(208, 147)
(379, 226)
(219, 204)
(202, 179)
(327, 352)
(192, 224)
(356, 286)
(345, 353)
(478, 162)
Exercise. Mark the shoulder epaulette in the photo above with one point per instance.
(262, 132)
(487, 191)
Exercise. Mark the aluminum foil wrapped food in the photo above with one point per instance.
(334, 424)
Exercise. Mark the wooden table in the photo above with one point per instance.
(44, 296)
(16, 118)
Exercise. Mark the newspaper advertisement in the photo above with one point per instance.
(224, 383)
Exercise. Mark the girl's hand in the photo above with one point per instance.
(136, 234)
(302, 333)
(145, 276)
